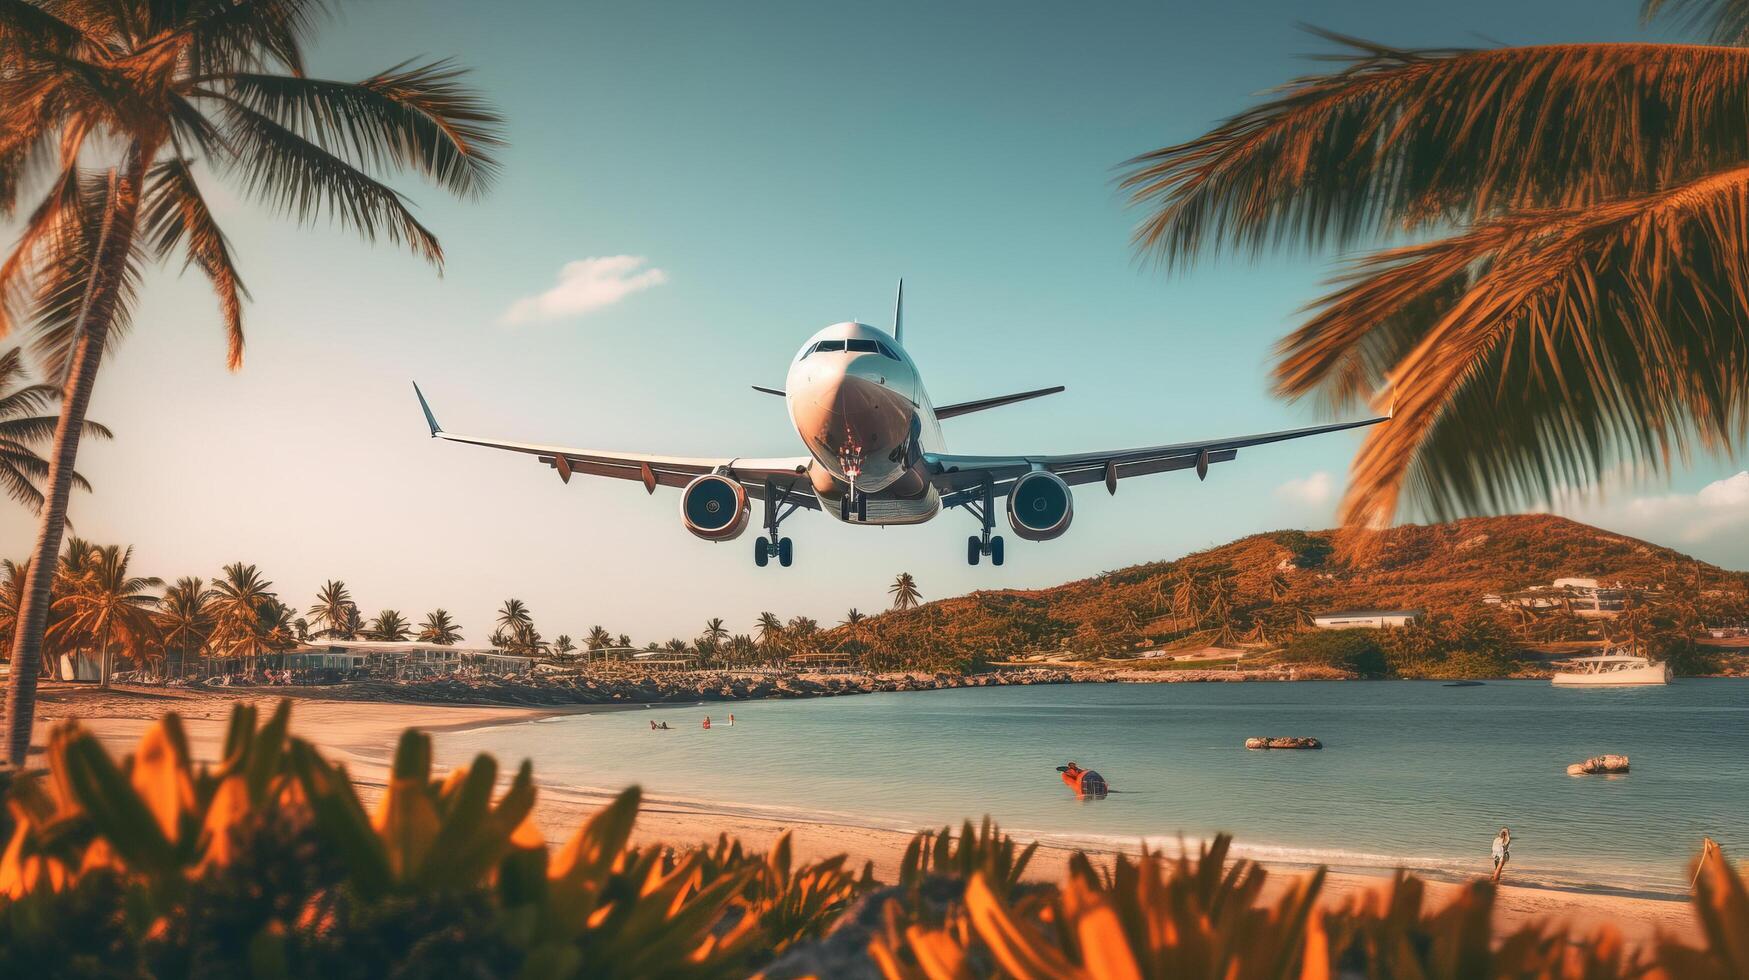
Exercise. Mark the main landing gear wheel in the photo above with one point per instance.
(844, 508)
(770, 545)
(975, 547)
(862, 508)
(984, 543)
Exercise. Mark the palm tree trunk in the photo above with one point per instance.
(92, 332)
(103, 662)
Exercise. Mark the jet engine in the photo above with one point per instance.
(1040, 506)
(715, 508)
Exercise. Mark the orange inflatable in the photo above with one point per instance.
(1085, 782)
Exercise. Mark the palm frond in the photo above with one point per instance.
(305, 180)
(27, 26)
(36, 240)
(76, 283)
(176, 213)
(1720, 21)
(18, 486)
(240, 35)
(421, 118)
(1578, 339)
(1403, 140)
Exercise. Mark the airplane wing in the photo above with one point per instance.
(960, 479)
(788, 474)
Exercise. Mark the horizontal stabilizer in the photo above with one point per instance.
(967, 408)
(770, 391)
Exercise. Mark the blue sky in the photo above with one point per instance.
(781, 164)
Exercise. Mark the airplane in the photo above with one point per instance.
(876, 455)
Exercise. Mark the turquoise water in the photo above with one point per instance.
(1412, 774)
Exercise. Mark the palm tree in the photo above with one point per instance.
(769, 628)
(278, 634)
(513, 615)
(242, 606)
(904, 592)
(124, 106)
(185, 620)
(333, 609)
(12, 576)
(625, 640)
(22, 430)
(598, 638)
(389, 625)
(1576, 296)
(111, 607)
(852, 625)
(562, 645)
(440, 629)
(801, 633)
(715, 632)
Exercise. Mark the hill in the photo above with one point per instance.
(1267, 586)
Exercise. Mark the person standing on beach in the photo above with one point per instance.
(731, 721)
(1502, 852)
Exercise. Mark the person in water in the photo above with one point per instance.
(731, 721)
(707, 721)
(1502, 852)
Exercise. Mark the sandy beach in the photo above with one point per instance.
(364, 734)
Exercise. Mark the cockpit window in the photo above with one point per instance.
(829, 345)
(888, 352)
(863, 346)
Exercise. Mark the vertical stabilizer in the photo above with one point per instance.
(899, 314)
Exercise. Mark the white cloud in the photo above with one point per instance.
(1314, 491)
(584, 286)
(1703, 517)
(1721, 505)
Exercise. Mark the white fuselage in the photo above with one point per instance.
(857, 402)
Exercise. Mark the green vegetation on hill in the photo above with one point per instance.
(1263, 590)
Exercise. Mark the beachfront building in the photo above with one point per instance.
(823, 660)
(1369, 619)
(1583, 597)
(666, 659)
(405, 659)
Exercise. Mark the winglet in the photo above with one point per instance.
(770, 391)
(430, 419)
(899, 313)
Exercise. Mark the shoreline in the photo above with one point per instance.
(364, 740)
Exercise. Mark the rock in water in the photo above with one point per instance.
(1599, 765)
(1284, 742)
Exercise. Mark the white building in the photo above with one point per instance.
(1371, 619)
(405, 658)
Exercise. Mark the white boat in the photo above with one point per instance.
(1610, 670)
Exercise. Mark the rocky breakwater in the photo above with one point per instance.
(691, 687)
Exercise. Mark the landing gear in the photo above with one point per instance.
(763, 551)
(853, 502)
(984, 543)
(771, 544)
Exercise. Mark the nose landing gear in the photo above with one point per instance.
(771, 545)
(984, 543)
